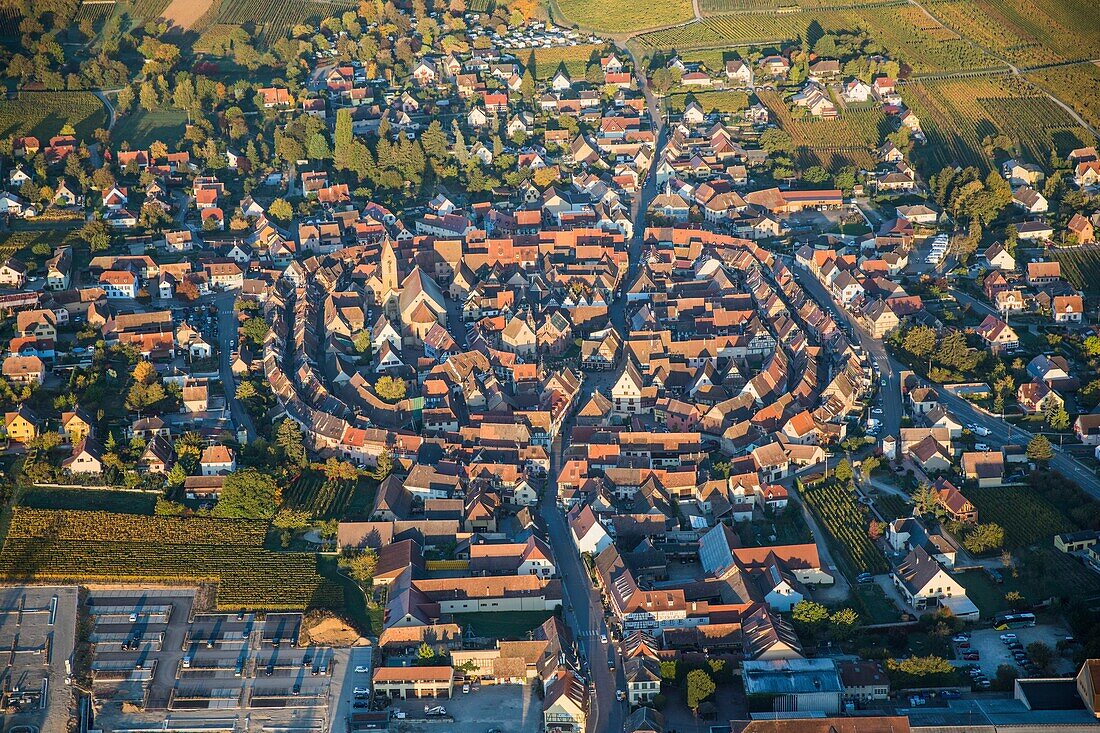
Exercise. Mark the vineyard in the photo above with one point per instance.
(892, 506)
(620, 16)
(547, 60)
(727, 102)
(273, 19)
(23, 241)
(846, 522)
(1021, 31)
(43, 114)
(1081, 266)
(849, 140)
(322, 498)
(95, 13)
(56, 546)
(958, 114)
(1025, 517)
(911, 36)
(1078, 86)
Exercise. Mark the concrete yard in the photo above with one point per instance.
(38, 633)
(511, 708)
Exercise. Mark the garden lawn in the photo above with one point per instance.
(876, 608)
(621, 16)
(141, 128)
(94, 500)
(503, 625)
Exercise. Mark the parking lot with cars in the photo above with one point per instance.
(988, 649)
(152, 653)
(37, 634)
(505, 708)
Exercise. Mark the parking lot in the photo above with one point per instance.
(37, 632)
(511, 708)
(154, 659)
(993, 652)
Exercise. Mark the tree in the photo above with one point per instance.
(383, 466)
(177, 476)
(248, 494)
(291, 519)
(875, 529)
(1039, 449)
(337, 470)
(843, 471)
(699, 687)
(1041, 654)
(869, 465)
(920, 342)
(390, 388)
(843, 622)
(361, 342)
(288, 438)
(144, 372)
(1058, 419)
(925, 499)
(255, 330)
(281, 210)
(360, 565)
(425, 654)
(984, 537)
(96, 233)
(809, 614)
(246, 391)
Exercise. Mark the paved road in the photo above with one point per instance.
(1000, 432)
(227, 334)
(583, 604)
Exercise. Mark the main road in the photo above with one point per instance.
(584, 611)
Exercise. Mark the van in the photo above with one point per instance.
(981, 446)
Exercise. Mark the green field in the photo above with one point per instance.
(141, 128)
(92, 500)
(846, 523)
(1078, 86)
(66, 546)
(620, 16)
(1026, 517)
(509, 625)
(43, 114)
(1043, 573)
(725, 102)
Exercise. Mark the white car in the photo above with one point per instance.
(603, 638)
(360, 691)
(362, 670)
(1008, 637)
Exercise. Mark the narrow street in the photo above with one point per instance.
(227, 330)
(584, 612)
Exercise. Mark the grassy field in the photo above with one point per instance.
(874, 606)
(620, 16)
(1043, 573)
(43, 114)
(508, 625)
(99, 500)
(1025, 517)
(141, 128)
(725, 102)
(1081, 266)
(849, 140)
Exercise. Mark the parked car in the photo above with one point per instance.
(361, 670)
(972, 656)
(1008, 637)
(964, 644)
(360, 691)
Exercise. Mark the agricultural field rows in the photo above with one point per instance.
(43, 114)
(849, 140)
(958, 114)
(45, 545)
(892, 506)
(846, 521)
(621, 16)
(275, 18)
(1081, 266)
(1078, 86)
(1025, 517)
(911, 36)
(984, 25)
(322, 498)
(575, 58)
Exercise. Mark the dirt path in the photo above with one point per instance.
(184, 13)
